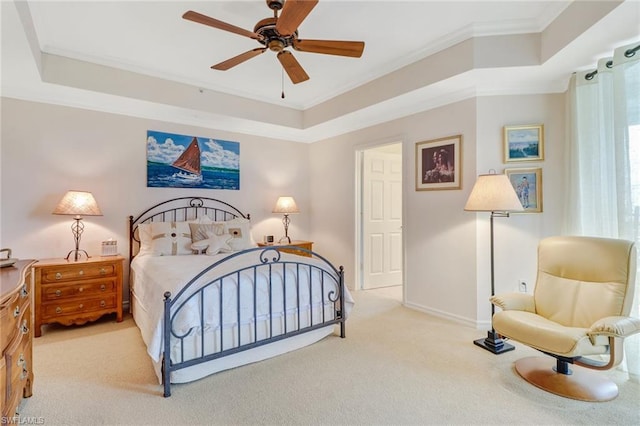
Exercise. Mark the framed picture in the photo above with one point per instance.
(186, 161)
(523, 143)
(528, 186)
(438, 164)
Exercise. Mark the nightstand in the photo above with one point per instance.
(69, 292)
(298, 243)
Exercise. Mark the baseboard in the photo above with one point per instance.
(483, 325)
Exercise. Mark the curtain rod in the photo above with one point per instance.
(628, 53)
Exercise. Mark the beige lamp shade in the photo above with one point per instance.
(286, 205)
(78, 203)
(493, 193)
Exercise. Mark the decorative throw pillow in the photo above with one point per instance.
(170, 238)
(218, 244)
(240, 229)
(199, 231)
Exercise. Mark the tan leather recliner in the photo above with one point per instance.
(580, 307)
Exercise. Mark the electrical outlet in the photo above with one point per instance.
(522, 286)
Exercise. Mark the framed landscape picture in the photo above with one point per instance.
(528, 186)
(438, 164)
(523, 143)
(186, 161)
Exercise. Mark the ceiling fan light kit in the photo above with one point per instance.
(277, 34)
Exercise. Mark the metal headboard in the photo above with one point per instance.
(181, 209)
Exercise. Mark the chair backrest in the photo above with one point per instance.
(583, 279)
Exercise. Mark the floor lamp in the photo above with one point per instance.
(493, 193)
(78, 204)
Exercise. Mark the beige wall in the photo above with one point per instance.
(48, 149)
(446, 249)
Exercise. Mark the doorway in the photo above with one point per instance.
(379, 217)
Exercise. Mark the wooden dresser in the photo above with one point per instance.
(308, 245)
(16, 336)
(69, 292)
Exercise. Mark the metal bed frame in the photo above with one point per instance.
(330, 286)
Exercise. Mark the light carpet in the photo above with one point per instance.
(396, 366)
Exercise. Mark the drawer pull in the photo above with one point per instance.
(24, 374)
(103, 271)
(81, 272)
(81, 306)
(24, 328)
(58, 293)
(16, 312)
(24, 292)
(81, 289)
(20, 360)
(103, 303)
(58, 310)
(58, 276)
(103, 287)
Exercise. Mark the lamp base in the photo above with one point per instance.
(77, 254)
(494, 343)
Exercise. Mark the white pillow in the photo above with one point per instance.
(170, 238)
(240, 229)
(144, 235)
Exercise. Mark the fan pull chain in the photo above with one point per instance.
(282, 82)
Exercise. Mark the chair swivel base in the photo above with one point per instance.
(582, 384)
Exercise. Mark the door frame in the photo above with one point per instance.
(359, 175)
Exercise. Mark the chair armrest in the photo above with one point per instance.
(514, 302)
(614, 327)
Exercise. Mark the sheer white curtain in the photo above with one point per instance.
(603, 159)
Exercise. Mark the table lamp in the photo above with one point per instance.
(286, 206)
(78, 204)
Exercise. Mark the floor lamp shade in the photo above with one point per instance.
(286, 206)
(77, 204)
(493, 193)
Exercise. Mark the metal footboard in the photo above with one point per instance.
(275, 297)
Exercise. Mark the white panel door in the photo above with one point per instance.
(382, 219)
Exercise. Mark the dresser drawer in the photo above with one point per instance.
(3, 380)
(10, 314)
(18, 364)
(54, 274)
(53, 309)
(82, 289)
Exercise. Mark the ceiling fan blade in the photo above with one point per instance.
(292, 67)
(236, 60)
(206, 20)
(292, 15)
(353, 49)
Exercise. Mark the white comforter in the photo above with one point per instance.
(154, 275)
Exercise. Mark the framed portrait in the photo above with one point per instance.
(528, 186)
(523, 143)
(439, 164)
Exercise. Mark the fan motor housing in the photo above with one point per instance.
(275, 4)
(271, 37)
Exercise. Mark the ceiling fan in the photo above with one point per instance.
(277, 34)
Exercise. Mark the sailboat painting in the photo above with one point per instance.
(181, 161)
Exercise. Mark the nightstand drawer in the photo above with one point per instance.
(56, 274)
(51, 310)
(84, 289)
